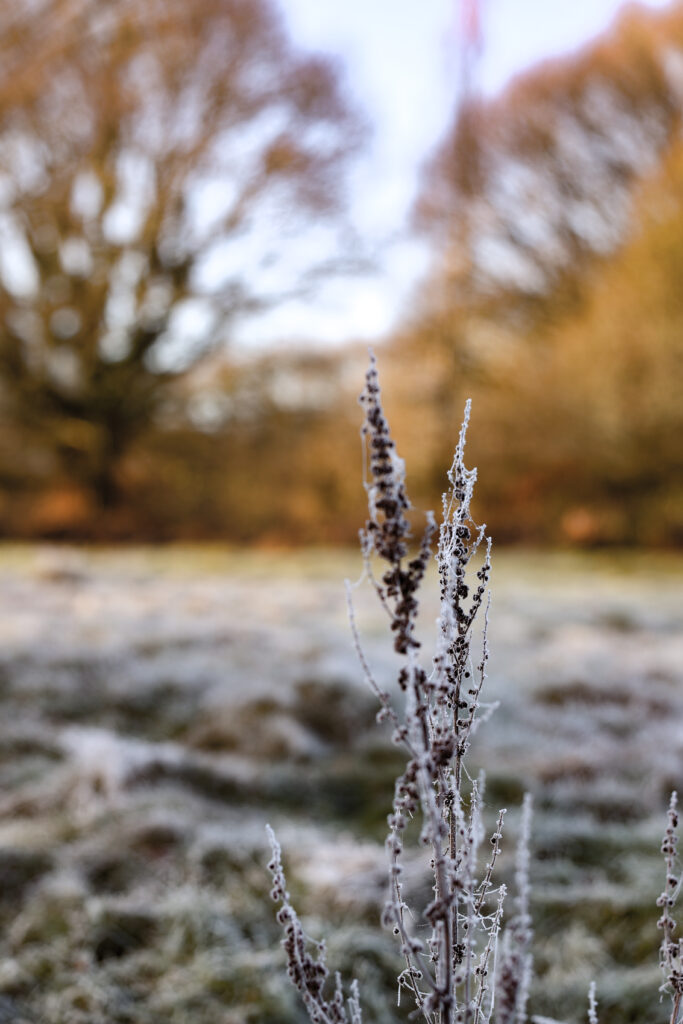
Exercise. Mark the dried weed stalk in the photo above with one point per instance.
(450, 946)
(671, 950)
(460, 968)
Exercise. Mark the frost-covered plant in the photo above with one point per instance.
(308, 971)
(514, 973)
(467, 970)
(451, 973)
(671, 950)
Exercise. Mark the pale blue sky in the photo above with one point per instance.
(401, 62)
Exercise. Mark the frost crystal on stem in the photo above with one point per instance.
(592, 1005)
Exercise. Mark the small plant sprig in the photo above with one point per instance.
(449, 946)
(460, 967)
(514, 975)
(308, 972)
(671, 950)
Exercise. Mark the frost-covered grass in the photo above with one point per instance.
(157, 707)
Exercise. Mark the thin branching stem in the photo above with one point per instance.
(451, 974)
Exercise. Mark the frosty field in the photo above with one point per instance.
(160, 706)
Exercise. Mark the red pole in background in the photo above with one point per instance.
(466, 157)
(470, 23)
(471, 44)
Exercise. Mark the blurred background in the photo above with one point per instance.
(206, 216)
(208, 211)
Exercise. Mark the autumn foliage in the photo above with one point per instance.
(555, 212)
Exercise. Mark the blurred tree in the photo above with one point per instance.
(157, 162)
(268, 451)
(606, 413)
(535, 307)
(529, 188)
(577, 434)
